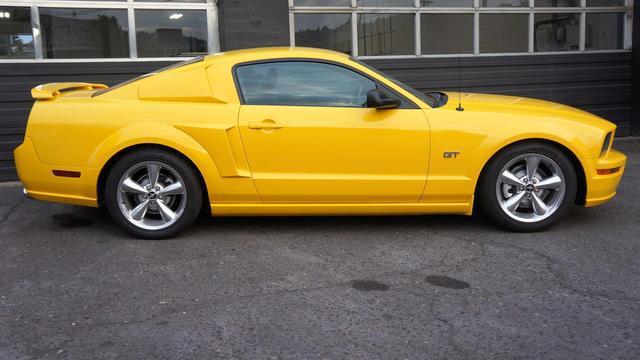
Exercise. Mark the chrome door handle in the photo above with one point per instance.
(265, 125)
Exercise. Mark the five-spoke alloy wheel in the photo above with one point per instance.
(528, 187)
(153, 194)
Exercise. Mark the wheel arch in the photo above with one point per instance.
(106, 168)
(575, 161)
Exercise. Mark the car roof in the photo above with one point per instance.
(265, 53)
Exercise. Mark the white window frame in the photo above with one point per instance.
(213, 39)
(476, 10)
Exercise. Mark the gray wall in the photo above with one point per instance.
(247, 24)
(600, 83)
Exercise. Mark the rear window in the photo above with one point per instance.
(170, 67)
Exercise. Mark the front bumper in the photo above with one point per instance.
(40, 183)
(602, 187)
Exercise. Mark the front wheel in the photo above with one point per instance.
(528, 187)
(153, 194)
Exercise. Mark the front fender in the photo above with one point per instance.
(576, 147)
(476, 138)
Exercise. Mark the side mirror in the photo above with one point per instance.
(381, 99)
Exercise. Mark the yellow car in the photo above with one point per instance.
(299, 131)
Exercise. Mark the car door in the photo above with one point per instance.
(309, 137)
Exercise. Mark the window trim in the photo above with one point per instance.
(406, 103)
(210, 7)
(476, 10)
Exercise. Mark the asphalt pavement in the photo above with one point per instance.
(73, 286)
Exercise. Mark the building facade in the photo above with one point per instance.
(577, 52)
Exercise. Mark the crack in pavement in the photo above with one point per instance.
(11, 210)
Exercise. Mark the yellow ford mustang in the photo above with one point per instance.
(296, 131)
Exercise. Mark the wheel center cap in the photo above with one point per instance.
(152, 195)
(529, 187)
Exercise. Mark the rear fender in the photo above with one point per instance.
(219, 188)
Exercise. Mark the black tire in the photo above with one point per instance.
(488, 192)
(191, 182)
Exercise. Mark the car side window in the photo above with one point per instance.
(302, 83)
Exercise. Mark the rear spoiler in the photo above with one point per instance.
(51, 90)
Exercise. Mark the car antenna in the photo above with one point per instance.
(459, 108)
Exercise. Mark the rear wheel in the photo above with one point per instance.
(153, 194)
(528, 187)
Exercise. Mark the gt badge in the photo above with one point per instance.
(451, 154)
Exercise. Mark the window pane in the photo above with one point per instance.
(557, 32)
(603, 3)
(16, 38)
(505, 3)
(504, 33)
(162, 33)
(557, 3)
(386, 3)
(446, 3)
(84, 33)
(447, 33)
(385, 34)
(605, 31)
(322, 3)
(172, 1)
(328, 31)
(302, 84)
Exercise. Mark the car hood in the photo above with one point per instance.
(521, 105)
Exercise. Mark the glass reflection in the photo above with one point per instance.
(385, 34)
(327, 31)
(16, 38)
(557, 32)
(169, 33)
(84, 33)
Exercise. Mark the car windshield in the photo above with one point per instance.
(420, 95)
(170, 67)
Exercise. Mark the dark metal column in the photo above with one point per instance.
(635, 72)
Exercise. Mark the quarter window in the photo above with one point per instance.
(301, 83)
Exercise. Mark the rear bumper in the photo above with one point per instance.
(602, 188)
(40, 183)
